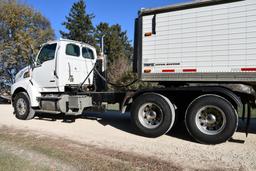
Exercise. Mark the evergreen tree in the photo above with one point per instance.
(116, 41)
(118, 50)
(79, 24)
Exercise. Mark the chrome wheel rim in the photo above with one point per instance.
(150, 115)
(21, 106)
(210, 120)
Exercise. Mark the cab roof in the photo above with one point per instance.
(69, 41)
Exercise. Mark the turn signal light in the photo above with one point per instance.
(147, 70)
(148, 34)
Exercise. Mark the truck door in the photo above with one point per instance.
(80, 61)
(43, 73)
(76, 64)
(90, 59)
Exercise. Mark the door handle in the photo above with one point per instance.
(52, 81)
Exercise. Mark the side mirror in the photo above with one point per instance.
(32, 62)
(31, 57)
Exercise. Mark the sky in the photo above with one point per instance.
(121, 12)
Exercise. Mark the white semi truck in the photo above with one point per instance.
(203, 53)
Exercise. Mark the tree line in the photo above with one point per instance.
(23, 30)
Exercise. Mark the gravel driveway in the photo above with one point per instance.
(114, 131)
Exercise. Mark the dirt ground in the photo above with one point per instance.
(113, 131)
(23, 150)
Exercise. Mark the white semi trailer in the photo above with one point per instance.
(203, 54)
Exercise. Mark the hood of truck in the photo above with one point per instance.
(21, 74)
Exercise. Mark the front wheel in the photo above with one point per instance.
(22, 107)
(211, 119)
(153, 114)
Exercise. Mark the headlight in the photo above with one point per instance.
(18, 76)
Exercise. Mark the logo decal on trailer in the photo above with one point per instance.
(173, 63)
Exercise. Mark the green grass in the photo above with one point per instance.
(253, 112)
(114, 107)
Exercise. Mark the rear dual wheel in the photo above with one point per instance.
(153, 114)
(211, 119)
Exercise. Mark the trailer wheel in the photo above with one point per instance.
(211, 119)
(153, 114)
(22, 107)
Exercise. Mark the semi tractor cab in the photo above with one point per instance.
(201, 53)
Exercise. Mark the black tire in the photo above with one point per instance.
(27, 112)
(224, 122)
(167, 114)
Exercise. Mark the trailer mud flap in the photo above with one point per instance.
(248, 119)
(246, 114)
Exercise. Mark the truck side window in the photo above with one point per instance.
(87, 53)
(72, 50)
(47, 53)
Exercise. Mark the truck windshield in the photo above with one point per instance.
(47, 53)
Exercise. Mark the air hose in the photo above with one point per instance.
(105, 80)
(113, 84)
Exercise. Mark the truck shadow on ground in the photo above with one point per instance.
(123, 123)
